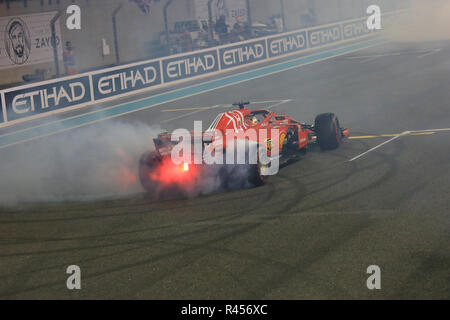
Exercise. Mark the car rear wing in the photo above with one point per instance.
(164, 144)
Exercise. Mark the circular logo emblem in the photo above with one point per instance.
(17, 41)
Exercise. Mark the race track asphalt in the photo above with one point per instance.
(309, 233)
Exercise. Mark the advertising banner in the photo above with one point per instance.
(324, 35)
(242, 54)
(34, 100)
(190, 65)
(118, 81)
(285, 44)
(355, 29)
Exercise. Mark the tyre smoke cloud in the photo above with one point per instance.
(96, 161)
(427, 21)
(99, 161)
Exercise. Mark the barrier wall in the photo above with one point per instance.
(48, 97)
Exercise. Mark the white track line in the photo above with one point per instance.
(428, 53)
(189, 114)
(430, 130)
(220, 105)
(396, 137)
(279, 103)
(379, 146)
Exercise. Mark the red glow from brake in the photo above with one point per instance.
(168, 172)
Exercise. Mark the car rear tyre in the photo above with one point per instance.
(255, 177)
(328, 131)
(238, 176)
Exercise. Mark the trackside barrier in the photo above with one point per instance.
(39, 99)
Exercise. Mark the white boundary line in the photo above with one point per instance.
(189, 114)
(404, 133)
(279, 103)
(430, 53)
(431, 130)
(378, 146)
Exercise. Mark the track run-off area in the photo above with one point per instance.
(381, 199)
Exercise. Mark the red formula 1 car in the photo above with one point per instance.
(157, 169)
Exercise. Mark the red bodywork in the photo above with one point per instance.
(240, 121)
(292, 135)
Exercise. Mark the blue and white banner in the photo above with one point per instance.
(236, 55)
(285, 44)
(128, 79)
(355, 29)
(324, 35)
(190, 65)
(38, 99)
(28, 101)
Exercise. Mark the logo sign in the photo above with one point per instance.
(286, 44)
(321, 36)
(191, 65)
(242, 54)
(27, 40)
(355, 29)
(17, 41)
(124, 80)
(39, 99)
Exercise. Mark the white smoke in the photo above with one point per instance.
(90, 162)
(428, 20)
(95, 162)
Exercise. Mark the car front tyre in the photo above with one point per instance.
(328, 131)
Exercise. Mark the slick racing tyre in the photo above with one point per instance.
(328, 131)
(238, 176)
(256, 178)
(256, 171)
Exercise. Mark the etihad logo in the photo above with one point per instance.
(52, 97)
(191, 65)
(288, 43)
(243, 54)
(127, 80)
(325, 35)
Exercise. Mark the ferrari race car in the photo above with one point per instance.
(276, 136)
